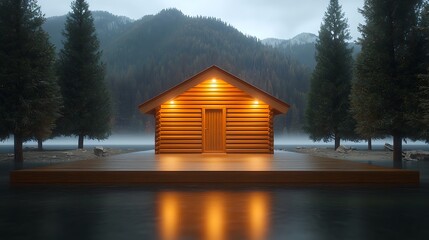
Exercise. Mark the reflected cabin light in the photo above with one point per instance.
(172, 102)
(256, 101)
(169, 214)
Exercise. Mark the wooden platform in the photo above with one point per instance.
(284, 168)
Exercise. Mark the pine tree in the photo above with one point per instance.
(423, 116)
(384, 91)
(327, 115)
(81, 74)
(48, 93)
(29, 94)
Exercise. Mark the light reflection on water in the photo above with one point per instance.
(106, 213)
(213, 215)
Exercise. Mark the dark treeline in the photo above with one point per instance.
(382, 93)
(29, 93)
(387, 97)
(42, 96)
(146, 57)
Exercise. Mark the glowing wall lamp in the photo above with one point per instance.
(214, 83)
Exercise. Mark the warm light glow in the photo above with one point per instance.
(258, 215)
(169, 214)
(169, 162)
(215, 216)
(172, 102)
(255, 163)
(213, 83)
(256, 101)
(212, 162)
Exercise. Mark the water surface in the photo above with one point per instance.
(214, 212)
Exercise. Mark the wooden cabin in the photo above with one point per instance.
(214, 112)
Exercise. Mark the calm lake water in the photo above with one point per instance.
(214, 212)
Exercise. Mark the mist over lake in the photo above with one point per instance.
(121, 139)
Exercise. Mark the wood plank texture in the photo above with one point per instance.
(214, 130)
(215, 80)
(284, 168)
(186, 118)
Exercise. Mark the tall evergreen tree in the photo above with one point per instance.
(423, 117)
(29, 94)
(327, 115)
(81, 74)
(384, 98)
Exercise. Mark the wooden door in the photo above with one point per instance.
(214, 131)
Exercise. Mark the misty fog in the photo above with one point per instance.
(122, 139)
(114, 139)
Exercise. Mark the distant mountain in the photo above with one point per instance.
(273, 42)
(146, 57)
(301, 47)
(300, 39)
(303, 38)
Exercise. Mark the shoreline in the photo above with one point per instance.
(62, 156)
(51, 156)
(349, 154)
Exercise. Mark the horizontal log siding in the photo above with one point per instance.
(157, 126)
(179, 127)
(248, 130)
(179, 130)
(271, 131)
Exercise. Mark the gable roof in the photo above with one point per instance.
(214, 72)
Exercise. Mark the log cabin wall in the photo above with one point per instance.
(271, 131)
(157, 129)
(246, 122)
(248, 129)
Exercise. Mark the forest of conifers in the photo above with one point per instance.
(146, 57)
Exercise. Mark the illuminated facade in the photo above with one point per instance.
(214, 112)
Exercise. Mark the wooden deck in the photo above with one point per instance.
(280, 168)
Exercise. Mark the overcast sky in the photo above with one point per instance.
(260, 18)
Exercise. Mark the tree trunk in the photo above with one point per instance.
(19, 155)
(397, 151)
(369, 144)
(40, 144)
(337, 141)
(80, 142)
